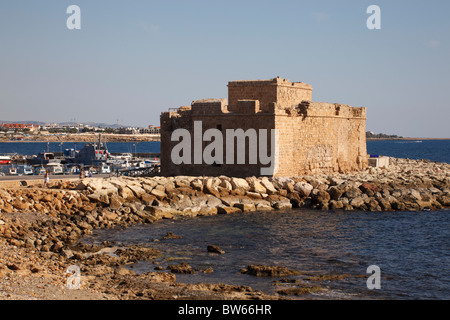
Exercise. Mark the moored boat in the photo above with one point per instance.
(5, 160)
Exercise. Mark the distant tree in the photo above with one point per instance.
(110, 130)
(381, 136)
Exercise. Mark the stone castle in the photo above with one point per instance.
(305, 137)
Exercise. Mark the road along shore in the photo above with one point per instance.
(40, 228)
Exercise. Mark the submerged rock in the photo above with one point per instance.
(183, 268)
(171, 235)
(215, 249)
(268, 271)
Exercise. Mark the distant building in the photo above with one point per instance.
(20, 126)
(150, 130)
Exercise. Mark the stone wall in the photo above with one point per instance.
(267, 91)
(319, 140)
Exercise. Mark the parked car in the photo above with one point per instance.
(28, 171)
(105, 169)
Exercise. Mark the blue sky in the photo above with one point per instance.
(133, 59)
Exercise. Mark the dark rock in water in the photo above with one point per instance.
(208, 270)
(268, 271)
(215, 249)
(133, 254)
(334, 205)
(183, 268)
(171, 235)
(299, 291)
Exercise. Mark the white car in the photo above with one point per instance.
(28, 171)
(106, 169)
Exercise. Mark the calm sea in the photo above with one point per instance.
(434, 150)
(410, 248)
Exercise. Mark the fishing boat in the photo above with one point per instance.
(152, 162)
(92, 154)
(5, 160)
(44, 158)
(126, 156)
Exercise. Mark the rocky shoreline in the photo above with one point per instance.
(40, 228)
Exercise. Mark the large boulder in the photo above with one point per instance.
(182, 182)
(115, 202)
(357, 202)
(210, 186)
(230, 201)
(197, 184)
(222, 209)
(246, 207)
(303, 188)
(97, 184)
(270, 189)
(99, 196)
(255, 185)
(126, 193)
(137, 190)
(335, 193)
(320, 197)
(240, 184)
(161, 212)
(158, 193)
(283, 204)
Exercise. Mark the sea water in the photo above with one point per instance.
(410, 248)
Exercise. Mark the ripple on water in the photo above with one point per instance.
(411, 248)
